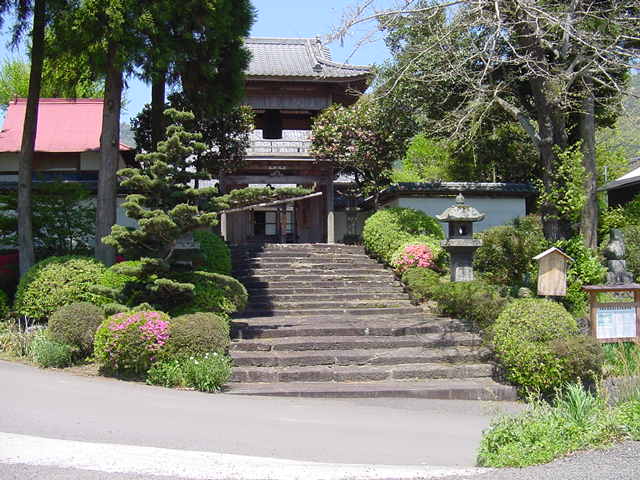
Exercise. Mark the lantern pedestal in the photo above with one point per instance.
(461, 258)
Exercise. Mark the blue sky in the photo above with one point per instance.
(281, 18)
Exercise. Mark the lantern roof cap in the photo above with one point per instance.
(460, 212)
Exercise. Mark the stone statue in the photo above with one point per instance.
(616, 264)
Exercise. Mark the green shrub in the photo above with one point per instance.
(4, 304)
(421, 282)
(216, 253)
(507, 251)
(131, 342)
(75, 325)
(586, 269)
(207, 373)
(386, 230)
(48, 353)
(197, 334)
(213, 293)
(632, 245)
(58, 281)
(545, 432)
(477, 302)
(582, 356)
(521, 338)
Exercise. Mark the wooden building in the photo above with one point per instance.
(289, 82)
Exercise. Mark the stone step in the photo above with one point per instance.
(355, 310)
(442, 389)
(259, 273)
(367, 283)
(284, 268)
(396, 356)
(297, 344)
(324, 305)
(298, 248)
(323, 373)
(272, 259)
(327, 297)
(317, 327)
(376, 289)
(318, 277)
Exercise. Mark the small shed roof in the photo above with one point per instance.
(64, 125)
(550, 251)
(627, 179)
(305, 58)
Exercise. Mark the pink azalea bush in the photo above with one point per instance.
(131, 342)
(413, 255)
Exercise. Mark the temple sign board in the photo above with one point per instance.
(615, 321)
(552, 273)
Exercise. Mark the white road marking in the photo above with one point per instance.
(115, 458)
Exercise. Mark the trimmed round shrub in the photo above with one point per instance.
(422, 282)
(386, 230)
(131, 342)
(477, 302)
(4, 304)
(76, 324)
(522, 337)
(214, 293)
(582, 356)
(58, 281)
(217, 256)
(197, 334)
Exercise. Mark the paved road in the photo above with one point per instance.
(54, 425)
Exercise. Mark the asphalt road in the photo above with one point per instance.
(54, 425)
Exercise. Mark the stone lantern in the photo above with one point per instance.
(461, 245)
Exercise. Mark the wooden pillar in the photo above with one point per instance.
(331, 226)
(282, 223)
(224, 233)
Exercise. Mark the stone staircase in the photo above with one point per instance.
(328, 321)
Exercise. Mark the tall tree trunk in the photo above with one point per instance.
(109, 158)
(158, 90)
(25, 223)
(551, 224)
(589, 222)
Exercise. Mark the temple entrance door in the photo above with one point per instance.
(274, 225)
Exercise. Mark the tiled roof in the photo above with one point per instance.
(460, 187)
(297, 57)
(64, 125)
(631, 178)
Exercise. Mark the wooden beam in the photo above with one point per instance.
(270, 204)
(276, 179)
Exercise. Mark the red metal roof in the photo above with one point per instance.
(64, 125)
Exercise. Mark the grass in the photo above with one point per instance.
(207, 373)
(622, 359)
(576, 420)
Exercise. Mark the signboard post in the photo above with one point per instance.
(613, 322)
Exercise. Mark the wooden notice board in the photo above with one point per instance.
(613, 322)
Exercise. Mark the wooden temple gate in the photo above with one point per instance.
(307, 219)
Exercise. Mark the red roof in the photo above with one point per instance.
(64, 125)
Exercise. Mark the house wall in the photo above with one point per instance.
(498, 210)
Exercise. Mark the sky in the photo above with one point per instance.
(279, 18)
